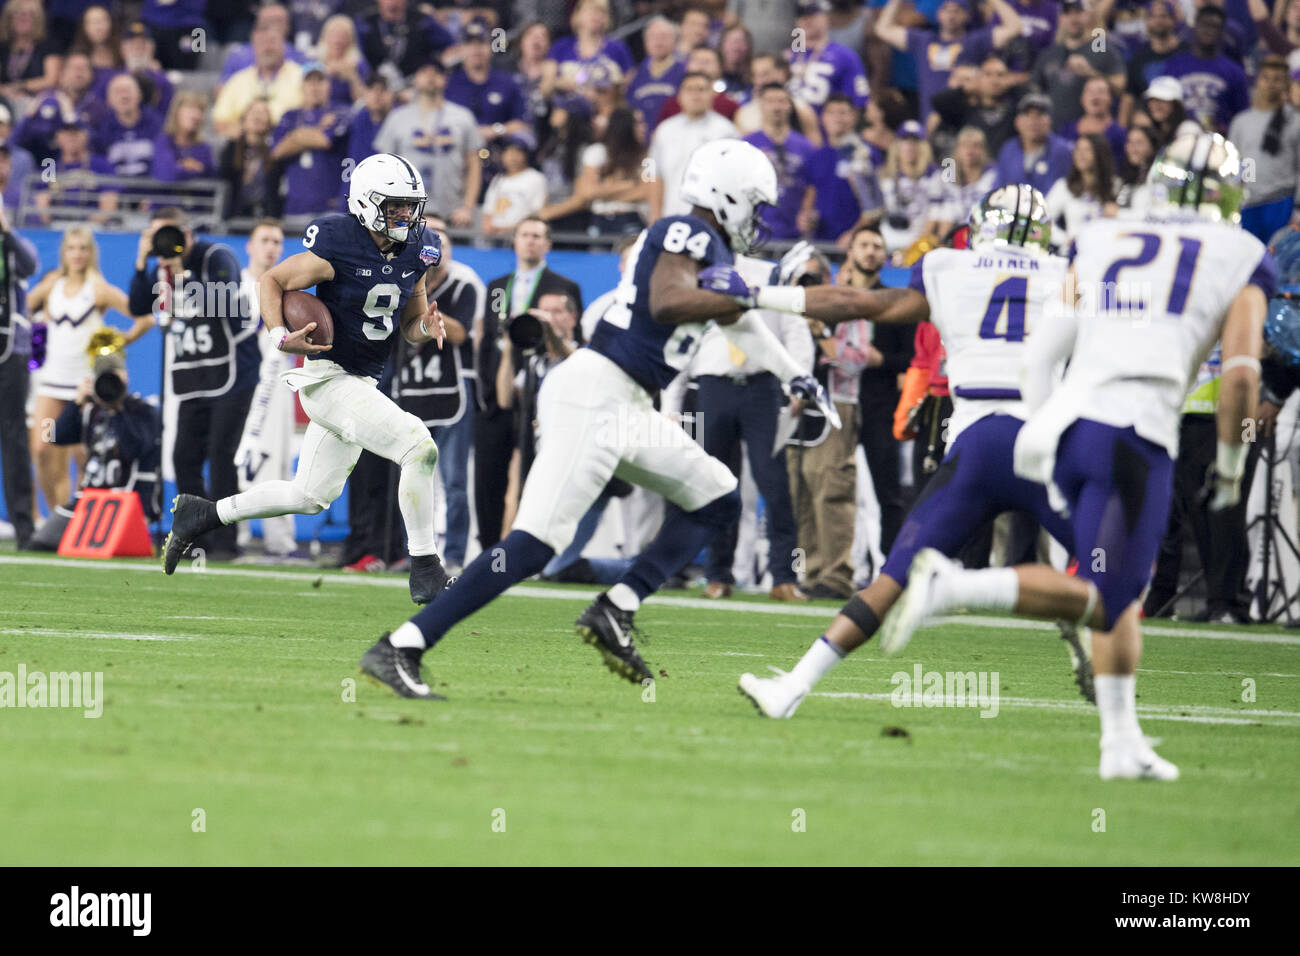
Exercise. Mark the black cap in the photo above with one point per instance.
(475, 31)
(806, 8)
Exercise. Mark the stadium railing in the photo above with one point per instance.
(75, 198)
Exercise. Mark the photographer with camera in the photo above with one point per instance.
(534, 343)
(122, 435)
(509, 295)
(211, 355)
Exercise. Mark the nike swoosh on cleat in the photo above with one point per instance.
(623, 639)
(418, 686)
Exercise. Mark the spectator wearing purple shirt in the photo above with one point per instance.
(376, 103)
(311, 142)
(125, 136)
(179, 152)
(937, 51)
(242, 55)
(572, 58)
(1098, 119)
(1035, 155)
(138, 59)
(819, 66)
(844, 174)
(77, 168)
(21, 163)
(660, 73)
(172, 23)
(493, 96)
(794, 213)
(72, 99)
(1037, 31)
(1215, 89)
(340, 54)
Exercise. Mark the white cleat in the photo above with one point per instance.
(1135, 760)
(772, 696)
(913, 610)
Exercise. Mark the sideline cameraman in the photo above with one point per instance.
(212, 356)
(122, 434)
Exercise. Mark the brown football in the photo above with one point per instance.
(302, 308)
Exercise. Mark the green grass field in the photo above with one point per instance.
(226, 703)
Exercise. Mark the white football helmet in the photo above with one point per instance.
(733, 180)
(381, 180)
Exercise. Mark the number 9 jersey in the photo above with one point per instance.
(369, 289)
(651, 352)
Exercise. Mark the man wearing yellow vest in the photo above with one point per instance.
(1220, 536)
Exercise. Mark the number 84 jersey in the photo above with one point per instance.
(984, 303)
(651, 352)
(369, 289)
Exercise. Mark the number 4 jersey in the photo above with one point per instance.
(984, 302)
(651, 352)
(369, 289)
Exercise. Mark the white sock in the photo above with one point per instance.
(989, 589)
(623, 597)
(816, 663)
(269, 499)
(417, 498)
(408, 635)
(1117, 706)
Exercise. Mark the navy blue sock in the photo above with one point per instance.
(519, 556)
(680, 538)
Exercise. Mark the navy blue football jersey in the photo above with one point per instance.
(369, 289)
(649, 351)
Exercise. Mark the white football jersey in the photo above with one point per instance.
(984, 302)
(1153, 295)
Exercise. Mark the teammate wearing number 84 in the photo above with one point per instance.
(597, 420)
(369, 269)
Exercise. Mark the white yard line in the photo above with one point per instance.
(701, 604)
(1188, 713)
(94, 635)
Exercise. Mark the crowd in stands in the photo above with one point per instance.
(896, 113)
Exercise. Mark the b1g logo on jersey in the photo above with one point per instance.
(430, 255)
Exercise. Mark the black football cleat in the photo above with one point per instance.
(428, 578)
(191, 516)
(609, 629)
(1078, 643)
(398, 669)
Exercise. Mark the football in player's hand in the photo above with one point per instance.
(302, 308)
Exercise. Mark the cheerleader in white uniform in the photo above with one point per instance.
(73, 299)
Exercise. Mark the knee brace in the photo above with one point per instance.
(719, 513)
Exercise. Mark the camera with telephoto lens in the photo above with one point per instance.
(109, 388)
(526, 333)
(168, 242)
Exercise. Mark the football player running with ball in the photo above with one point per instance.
(1145, 302)
(597, 420)
(368, 269)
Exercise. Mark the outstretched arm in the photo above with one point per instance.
(676, 298)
